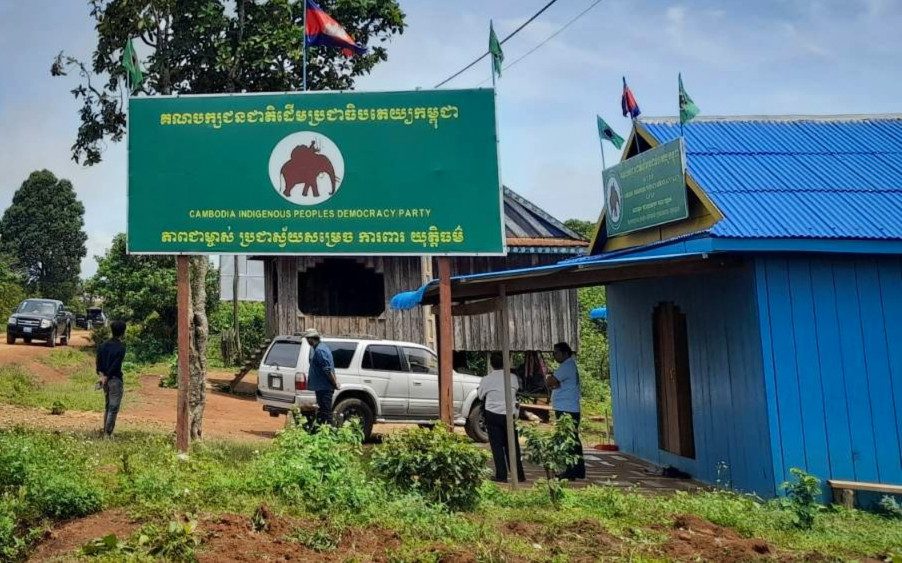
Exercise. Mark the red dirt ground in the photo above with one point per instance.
(231, 537)
(227, 416)
(68, 537)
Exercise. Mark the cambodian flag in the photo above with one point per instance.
(323, 30)
(628, 102)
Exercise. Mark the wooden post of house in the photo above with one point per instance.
(446, 343)
(182, 432)
(504, 329)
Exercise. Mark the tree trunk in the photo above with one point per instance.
(198, 353)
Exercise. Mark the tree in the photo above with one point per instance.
(138, 288)
(584, 228)
(593, 341)
(213, 46)
(43, 230)
(11, 285)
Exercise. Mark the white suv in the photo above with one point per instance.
(381, 381)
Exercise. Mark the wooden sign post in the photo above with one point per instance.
(446, 344)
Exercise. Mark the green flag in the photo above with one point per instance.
(688, 109)
(132, 67)
(495, 50)
(605, 133)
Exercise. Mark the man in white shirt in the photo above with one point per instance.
(565, 397)
(491, 393)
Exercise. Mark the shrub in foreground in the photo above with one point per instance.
(434, 462)
(322, 470)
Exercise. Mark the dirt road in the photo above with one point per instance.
(226, 416)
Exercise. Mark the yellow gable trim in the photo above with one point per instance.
(701, 220)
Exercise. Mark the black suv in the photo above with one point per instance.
(40, 319)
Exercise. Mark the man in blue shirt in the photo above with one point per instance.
(565, 396)
(321, 376)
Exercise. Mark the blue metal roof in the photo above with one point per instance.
(796, 177)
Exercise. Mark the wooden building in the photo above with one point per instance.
(761, 333)
(349, 295)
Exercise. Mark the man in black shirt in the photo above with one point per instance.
(109, 368)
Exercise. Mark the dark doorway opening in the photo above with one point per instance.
(674, 390)
(341, 287)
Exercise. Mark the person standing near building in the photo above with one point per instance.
(565, 397)
(321, 377)
(491, 393)
(109, 367)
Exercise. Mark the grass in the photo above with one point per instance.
(20, 387)
(66, 358)
(140, 472)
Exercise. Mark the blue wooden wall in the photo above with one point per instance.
(728, 395)
(831, 331)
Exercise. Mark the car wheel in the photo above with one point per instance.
(65, 339)
(51, 342)
(10, 339)
(475, 425)
(352, 408)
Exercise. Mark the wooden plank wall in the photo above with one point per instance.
(537, 321)
(832, 334)
(732, 440)
(400, 274)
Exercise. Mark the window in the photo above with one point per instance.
(421, 361)
(674, 391)
(341, 287)
(342, 353)
(283, 354)
(382, 358)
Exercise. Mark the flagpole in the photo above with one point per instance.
(304, 38)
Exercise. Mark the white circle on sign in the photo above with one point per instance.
(614, 201)
(306, 168)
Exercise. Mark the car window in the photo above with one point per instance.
(342, 353)
(421, 361)
(382, 358)
(283, 354)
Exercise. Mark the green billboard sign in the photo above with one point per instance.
(315, 173)
(646, 190)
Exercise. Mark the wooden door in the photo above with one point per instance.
(674, 390)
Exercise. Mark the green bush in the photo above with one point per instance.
(434, 462)
(149, 341)
(62, 495)
(58, 408)
(803, 497)
(12, 546)
(889, 507)
(99, 335)
(251, 323)
(321, 471)
(41, 476)
(170, 379)
(553, 452)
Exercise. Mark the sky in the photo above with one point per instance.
(737, 57)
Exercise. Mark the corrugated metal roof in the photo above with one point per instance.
(525, 220)
(796, 176)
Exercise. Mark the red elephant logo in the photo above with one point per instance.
(304, 167)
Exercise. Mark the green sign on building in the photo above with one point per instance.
(315, 173)
(646, 190)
